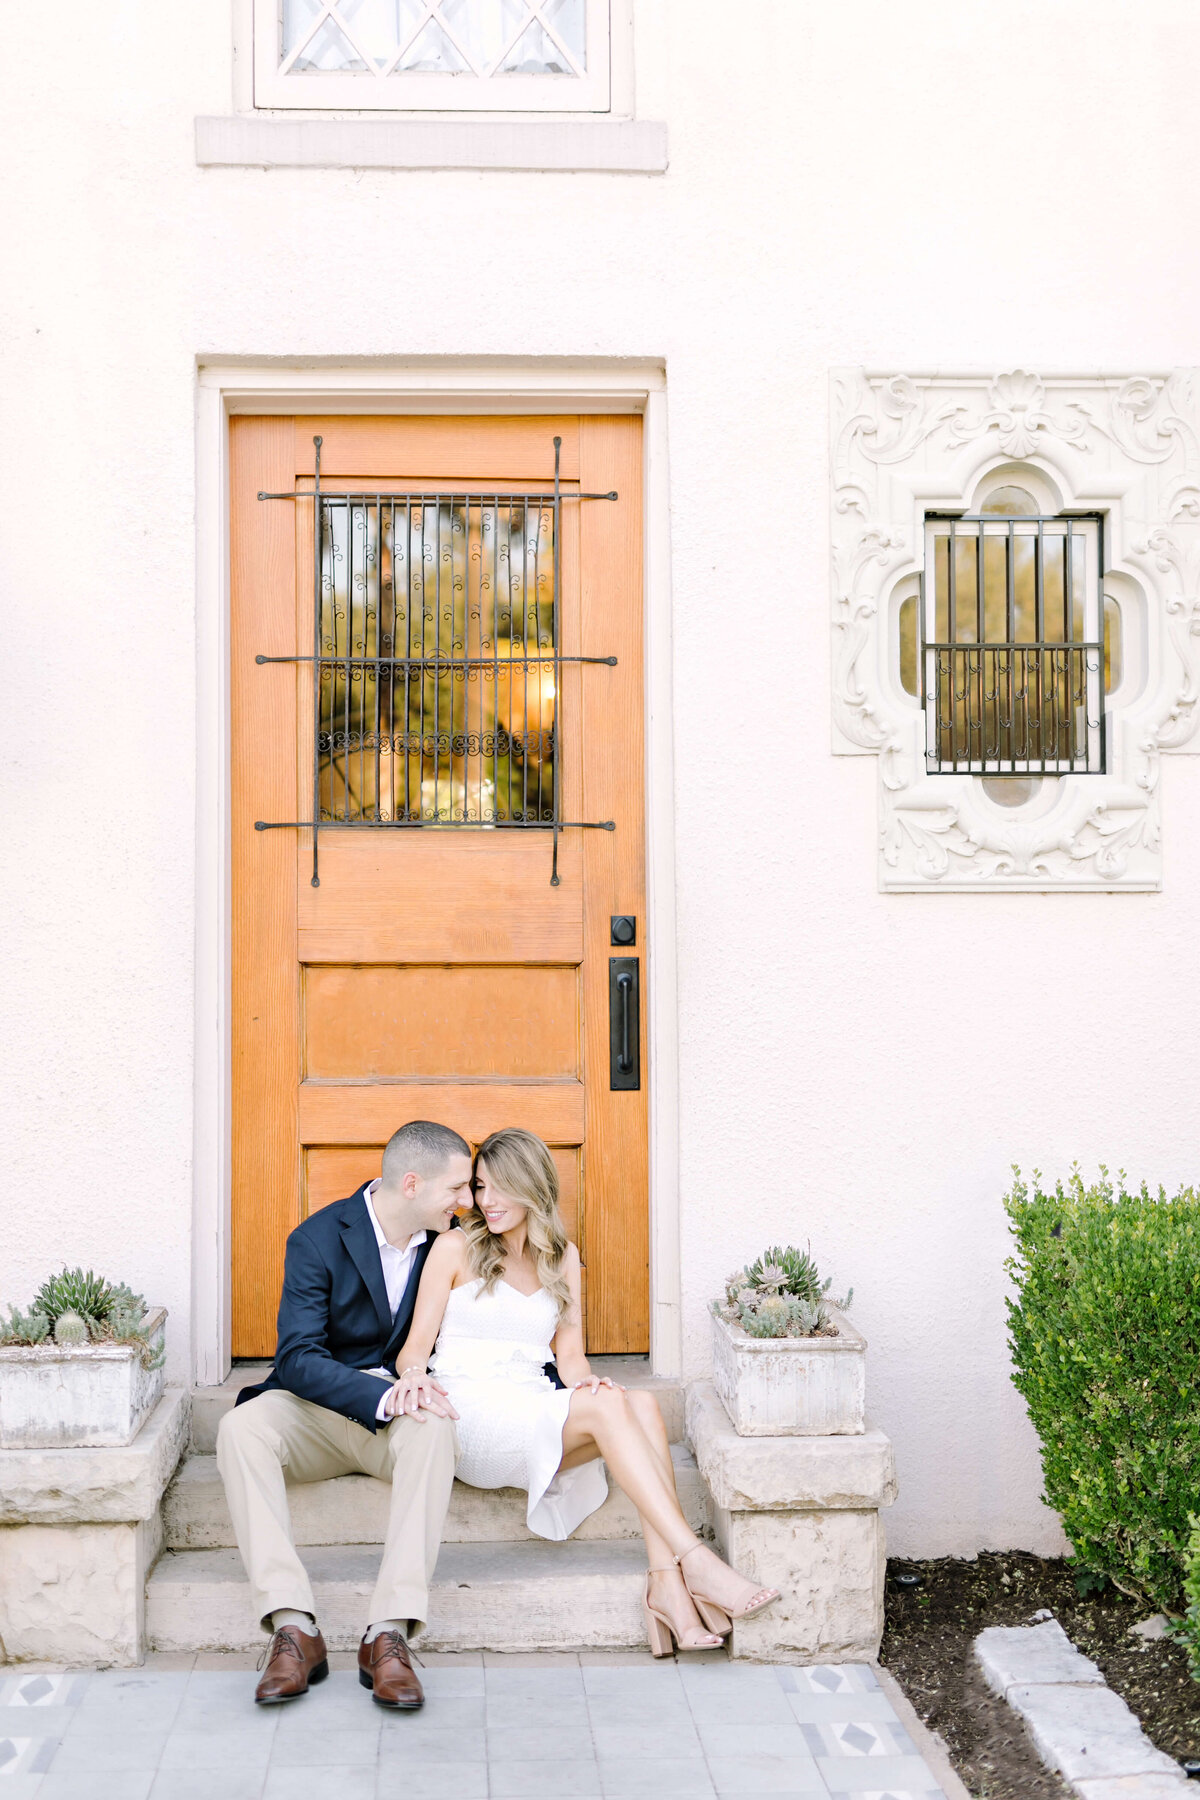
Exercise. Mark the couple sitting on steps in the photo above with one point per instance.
(414, 1352)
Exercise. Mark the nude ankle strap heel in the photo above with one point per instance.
(659, 1630)
(716, 1616)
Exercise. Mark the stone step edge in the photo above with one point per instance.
(1077, 1725)
(352, 1509)
(518, 1596)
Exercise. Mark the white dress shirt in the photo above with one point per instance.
(397, 1267)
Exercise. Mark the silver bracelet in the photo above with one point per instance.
(412, 1369)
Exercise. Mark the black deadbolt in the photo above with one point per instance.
(624, 929)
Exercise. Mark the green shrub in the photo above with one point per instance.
(1188, 1633)
(1105, 1334)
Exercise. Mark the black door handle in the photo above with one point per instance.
(624, 1027)
(624, 1060)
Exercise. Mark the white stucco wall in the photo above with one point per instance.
(902, 187)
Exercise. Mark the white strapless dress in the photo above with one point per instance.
(490, 1358)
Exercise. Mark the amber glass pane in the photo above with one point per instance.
(1009, 502)
(908, 645)
(1112, 645)
(437, 678)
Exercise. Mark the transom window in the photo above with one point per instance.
(476, 55)
(1013, 641)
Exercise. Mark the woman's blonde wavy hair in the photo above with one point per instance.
(519, 1163)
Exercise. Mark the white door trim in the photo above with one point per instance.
(427, 385)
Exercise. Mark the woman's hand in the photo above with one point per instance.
(596, 1382)
(415, 1393)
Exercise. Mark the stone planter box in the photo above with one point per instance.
(59, 1396)
(792, 1387)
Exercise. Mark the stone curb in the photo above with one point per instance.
(929, 1744)
(1078, 1725)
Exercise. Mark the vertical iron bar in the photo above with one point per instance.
(408, 642)
(508, 566)
(952, 635)
(556, 801)
(348, 615)
(1010, 621)
(437, 664)
(316, 724)
(1069, 634)
(981, 635)
(1102, 696)
(952, 587)
(525, 659)
(362, 673)
(1039, 607)
(378, 647)
(496, 661)
(422, 676)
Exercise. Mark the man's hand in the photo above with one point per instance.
(416, 1393)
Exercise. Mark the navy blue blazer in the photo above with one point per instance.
(334, 1318)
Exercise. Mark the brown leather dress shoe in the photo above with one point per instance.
(384, 1667)
(294, 1661)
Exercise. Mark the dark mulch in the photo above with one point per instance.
(927, 1646)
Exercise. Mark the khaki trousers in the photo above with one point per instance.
(277, 1438)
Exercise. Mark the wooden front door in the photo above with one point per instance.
(431, 701)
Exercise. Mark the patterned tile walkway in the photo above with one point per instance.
(492, 1728)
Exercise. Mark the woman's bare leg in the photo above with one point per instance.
(668, 1590)
(604, 1423)
(606, 1420)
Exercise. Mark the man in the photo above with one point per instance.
(349, 1288)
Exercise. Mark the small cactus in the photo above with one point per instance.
(69, 1328)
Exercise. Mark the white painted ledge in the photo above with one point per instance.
(616, 146)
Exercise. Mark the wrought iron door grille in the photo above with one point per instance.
(437, 660)
(437, 674)
(1012, 646)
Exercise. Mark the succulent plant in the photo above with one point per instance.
(789, 1271)
(24, 1328)
(780, 1295)
(75, 1307)
(88, 1295)
(733, 1286)
(125, 1301)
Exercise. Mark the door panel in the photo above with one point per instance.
(406, 1022)
(434, 972)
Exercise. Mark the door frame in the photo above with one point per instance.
(442, 385)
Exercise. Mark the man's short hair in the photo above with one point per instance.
(421, 1146)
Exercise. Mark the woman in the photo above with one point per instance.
(496, 1298)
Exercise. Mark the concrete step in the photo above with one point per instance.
(209, 1404)
(352, 1509)
(510, 1596)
